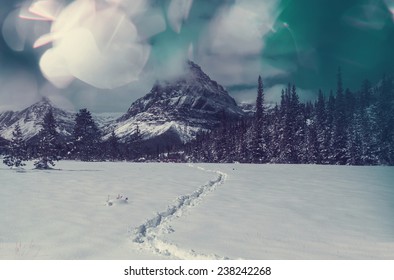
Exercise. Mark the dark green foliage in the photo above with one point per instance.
(113, 148)
(16, 151)
(48, 149)
(86, 137)
(134, 145)
(259, 102)
(258, 147)
(385, 119)
(350, 128)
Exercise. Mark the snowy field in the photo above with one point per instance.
(199, 211)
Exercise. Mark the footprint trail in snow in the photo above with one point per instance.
(147, 236)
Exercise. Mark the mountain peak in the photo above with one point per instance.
(193, 66)
(193, 78)
(180, 107)
(31, 118)
(44, 101)
(193, 91)
(197, 74)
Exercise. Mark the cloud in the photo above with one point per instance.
(369, 16)
(390, 5)
(18, 90)
(178, 12)
(231, 49)
(106, 100)
(57, 97)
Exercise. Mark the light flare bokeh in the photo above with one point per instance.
(390, 6)
(97, 42)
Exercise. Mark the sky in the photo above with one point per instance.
(104, 54)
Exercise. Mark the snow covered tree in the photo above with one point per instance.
(353, 128)
(339, 139)
(310, 146)
(48, 145)
(320, 122)
(385, 117)
(292, 127)
(16, 151)
(329, 127)
(354, 144)
(369, 137)
(275, 132)
(86, 137)
(298, 125)
(259, 147)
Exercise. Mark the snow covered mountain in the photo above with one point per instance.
(175, 111)
(30, 120)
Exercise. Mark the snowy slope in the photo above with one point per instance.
(197, 211)
(105, 120)
(30, 120)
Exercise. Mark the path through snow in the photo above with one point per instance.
(148, 235)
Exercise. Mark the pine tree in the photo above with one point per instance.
(385, 114)
(16, 151)
(113, 147)
(86, 137)
(259, 148)
(329, 134)
(298, 124)
(354, 144)
(275, 132)
(310, 153)
(260, 101)
(339, 139)
(134, 145)
(321, 129)
(348, 128)
(48, 151)
(241, 144)
(285, 132)
(370, 146)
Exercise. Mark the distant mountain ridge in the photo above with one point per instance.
(30, 120)
(173, 112)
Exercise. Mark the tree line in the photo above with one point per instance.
(345, 128)
(85, 144)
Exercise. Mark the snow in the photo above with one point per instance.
(201, 211)
(104, 119)
(154, 128)
(294, 212)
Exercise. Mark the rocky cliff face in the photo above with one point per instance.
(177, 110)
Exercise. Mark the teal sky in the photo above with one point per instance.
(357, 36)
(297, 41)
